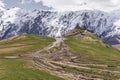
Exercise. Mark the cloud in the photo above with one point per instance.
(26, 1)
(64, 5)
(25, 4)
(32, 4)
(115, 2)
(105, 5)
(1, 3)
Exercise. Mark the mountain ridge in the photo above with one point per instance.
(56, 24)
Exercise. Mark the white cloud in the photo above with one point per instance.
(105, 5)
(26, 1)
(1, 3)
(115, 2)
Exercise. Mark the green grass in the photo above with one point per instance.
(18, 69)
(93, 51)
(23, 43)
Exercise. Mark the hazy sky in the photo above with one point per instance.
(63, 5)
(27, 4)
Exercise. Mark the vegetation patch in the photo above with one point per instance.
(23, 43)
(93, 52)
(18, 69)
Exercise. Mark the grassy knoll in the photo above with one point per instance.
(99, 59)
(20, 69)
(23, 43)
(92, 49)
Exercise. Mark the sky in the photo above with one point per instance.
(63, 5)
(25, 4)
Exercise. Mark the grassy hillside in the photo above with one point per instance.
(92, 49)
(80, 54)
(96, 58)
(22, 69)
(18, 69)
(23, 43)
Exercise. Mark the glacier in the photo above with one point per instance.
(55, 24)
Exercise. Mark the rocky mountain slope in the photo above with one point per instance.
(56, 24)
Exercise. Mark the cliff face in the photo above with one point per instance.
(56, 24)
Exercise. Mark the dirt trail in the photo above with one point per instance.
(9, 57)
(117, 46)
(63, 56)
(87, 68)
(54, 44)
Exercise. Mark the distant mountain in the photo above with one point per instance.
(56, 24)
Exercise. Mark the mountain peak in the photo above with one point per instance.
(56, 24)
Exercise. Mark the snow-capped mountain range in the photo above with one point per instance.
(55, 24)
